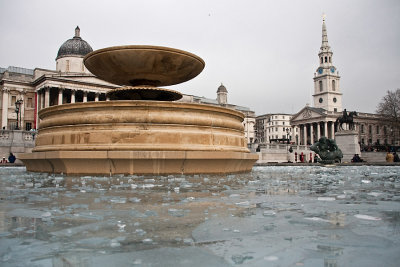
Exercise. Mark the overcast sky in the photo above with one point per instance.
(264, 52)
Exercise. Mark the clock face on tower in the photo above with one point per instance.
(332, 69)
(320, 70)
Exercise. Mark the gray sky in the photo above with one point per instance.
(264, 52)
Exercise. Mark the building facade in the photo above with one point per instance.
(311, 123)
(249, 120)
(24, 92)
(274, 128)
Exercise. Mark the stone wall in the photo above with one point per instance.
(15, 141)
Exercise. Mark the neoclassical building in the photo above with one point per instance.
(310, 123)
(24, 91)
(222, 100)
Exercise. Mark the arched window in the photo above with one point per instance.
(321, 88)
(326, 59)
(333, 85)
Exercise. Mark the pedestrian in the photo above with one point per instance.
(389, 157)
(11, 158)
(396, 157)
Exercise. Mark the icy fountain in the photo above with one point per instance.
(141, 130)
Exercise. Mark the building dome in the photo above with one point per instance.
(74, 47)
(222, 89)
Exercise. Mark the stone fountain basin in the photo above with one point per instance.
(139, 137)
(140, 65)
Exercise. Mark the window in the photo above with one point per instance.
(283, 123)
(13, 100)
(362, 128)
(321, 88)
(377, 129)
(28, 126)
(333, 85)
(334, 100)
(326, 59)
(330, 60)
(320, 100)
(370, 130)
(335, 109)
(276, 129)
(29, 103)
(322, 60)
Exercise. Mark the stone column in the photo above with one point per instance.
(326, 129)
(305, 135)
(333, 130)
(96, 97)
(85, 96)
(60, 96)
(42, 98)
(318, 130)
(4, 113)
(73, 96)
(47, 97)
(107, 98)
(312, 133)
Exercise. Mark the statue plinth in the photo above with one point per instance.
(347, 141)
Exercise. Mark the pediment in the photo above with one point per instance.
(308, 113)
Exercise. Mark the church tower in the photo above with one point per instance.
(327, 93)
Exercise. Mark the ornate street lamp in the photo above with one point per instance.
(17, 110)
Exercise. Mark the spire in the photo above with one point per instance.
(325, 45)
(77, 31)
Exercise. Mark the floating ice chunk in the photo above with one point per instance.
(147, 186)
(271, 258)
(269, 213)
(137, 262)
(316, 219)
(118, 200)
(147, 241)
(133, 186)
(134, 199)
(326, 198)
(365, 181)
(243, 204)
(176, 212)
(234, 195)
(239, 259)
(176, 190)
(367, 217)
(375, 194)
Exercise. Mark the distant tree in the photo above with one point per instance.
(389, 108)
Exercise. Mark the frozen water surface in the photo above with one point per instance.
(274, 216)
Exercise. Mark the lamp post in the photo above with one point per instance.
(17, 110)
(287, 143)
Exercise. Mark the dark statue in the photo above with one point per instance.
(327, 151)
(346, 118)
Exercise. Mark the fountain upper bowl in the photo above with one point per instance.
(143, 65)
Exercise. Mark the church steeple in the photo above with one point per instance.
(327, 93)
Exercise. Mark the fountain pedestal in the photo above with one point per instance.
(141, 131)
